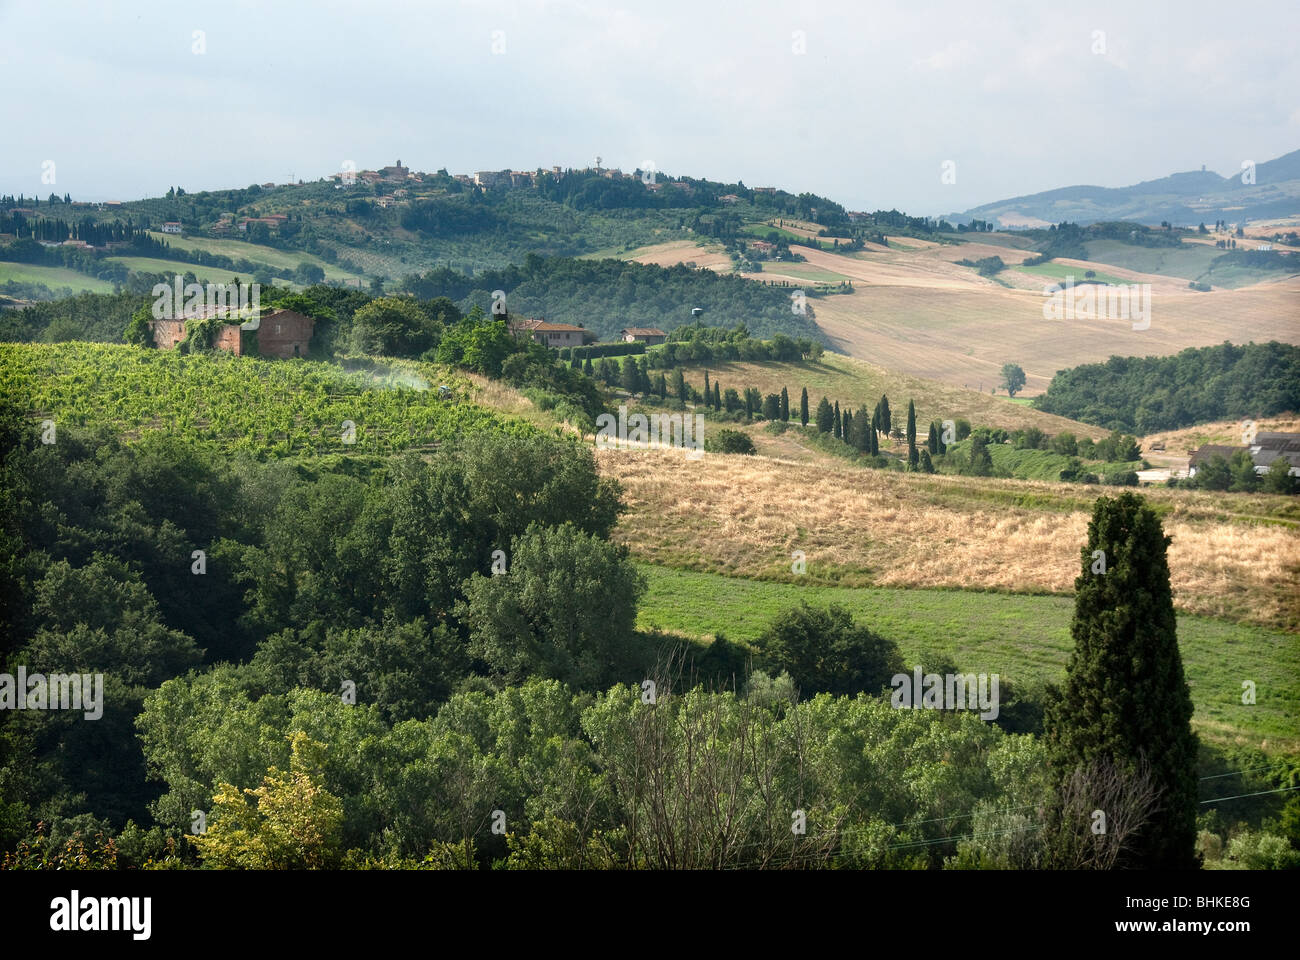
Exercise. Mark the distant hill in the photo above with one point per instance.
(1184, 199)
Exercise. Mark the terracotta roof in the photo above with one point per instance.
(644, 332)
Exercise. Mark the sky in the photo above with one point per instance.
(929, 108)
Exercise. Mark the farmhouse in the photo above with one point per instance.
(1203, 454)
(1266, 448)
(280, 333)
(554, 335)
(171, 226)
(650, 335)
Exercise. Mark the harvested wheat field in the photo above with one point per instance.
(1235, 556)
(962, 334)
(705, 256)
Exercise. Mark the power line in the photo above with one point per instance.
(1260, 794)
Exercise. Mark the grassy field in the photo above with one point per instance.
(1059, 271)
(856, 383)
(1021, 638)
(260, 253)
(1039, 464)
(53, 277)
(1191, 261)
(156, 265)
(802, 271)
(1233, 556)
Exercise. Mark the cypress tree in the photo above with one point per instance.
(932, 444)
(717, 396)
(803, 407)
(785, 405)
(836, 428)
(912, 458)
(708, 391)
(1125, 696)
(847, 431)
(679, 385)
(875, 440)
(628, 376)
(861, 437)
(885, 422)
(825, 416)
(911, 424)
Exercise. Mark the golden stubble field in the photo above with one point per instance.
(963, 335)
(915, 311)
(1235, 556)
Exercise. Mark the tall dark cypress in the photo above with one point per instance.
(911, 424)
(717, 396)
(825, 416)
(1125, 695)
(847, 432)
(836, 431)
(803, 407)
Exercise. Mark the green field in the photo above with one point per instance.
(1039, 464)
(1021, 638)
(260, 253)
(53, 277)
(803, 271)
(1186, 262)
(1059, 271)
(205, 274)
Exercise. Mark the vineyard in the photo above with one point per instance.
(265, 408)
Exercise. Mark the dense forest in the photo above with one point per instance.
(607, 295)
(1148, 394)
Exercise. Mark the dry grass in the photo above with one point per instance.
(962, 333)
(707, 255)
(918, 312)
(1233, 556)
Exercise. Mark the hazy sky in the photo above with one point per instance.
(880, 96)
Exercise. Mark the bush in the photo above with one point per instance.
(826, 652)
(729, 441)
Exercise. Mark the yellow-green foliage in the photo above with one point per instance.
(292, 823)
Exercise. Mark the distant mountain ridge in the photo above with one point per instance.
(1183, 199)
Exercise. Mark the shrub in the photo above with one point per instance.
(729, 441)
